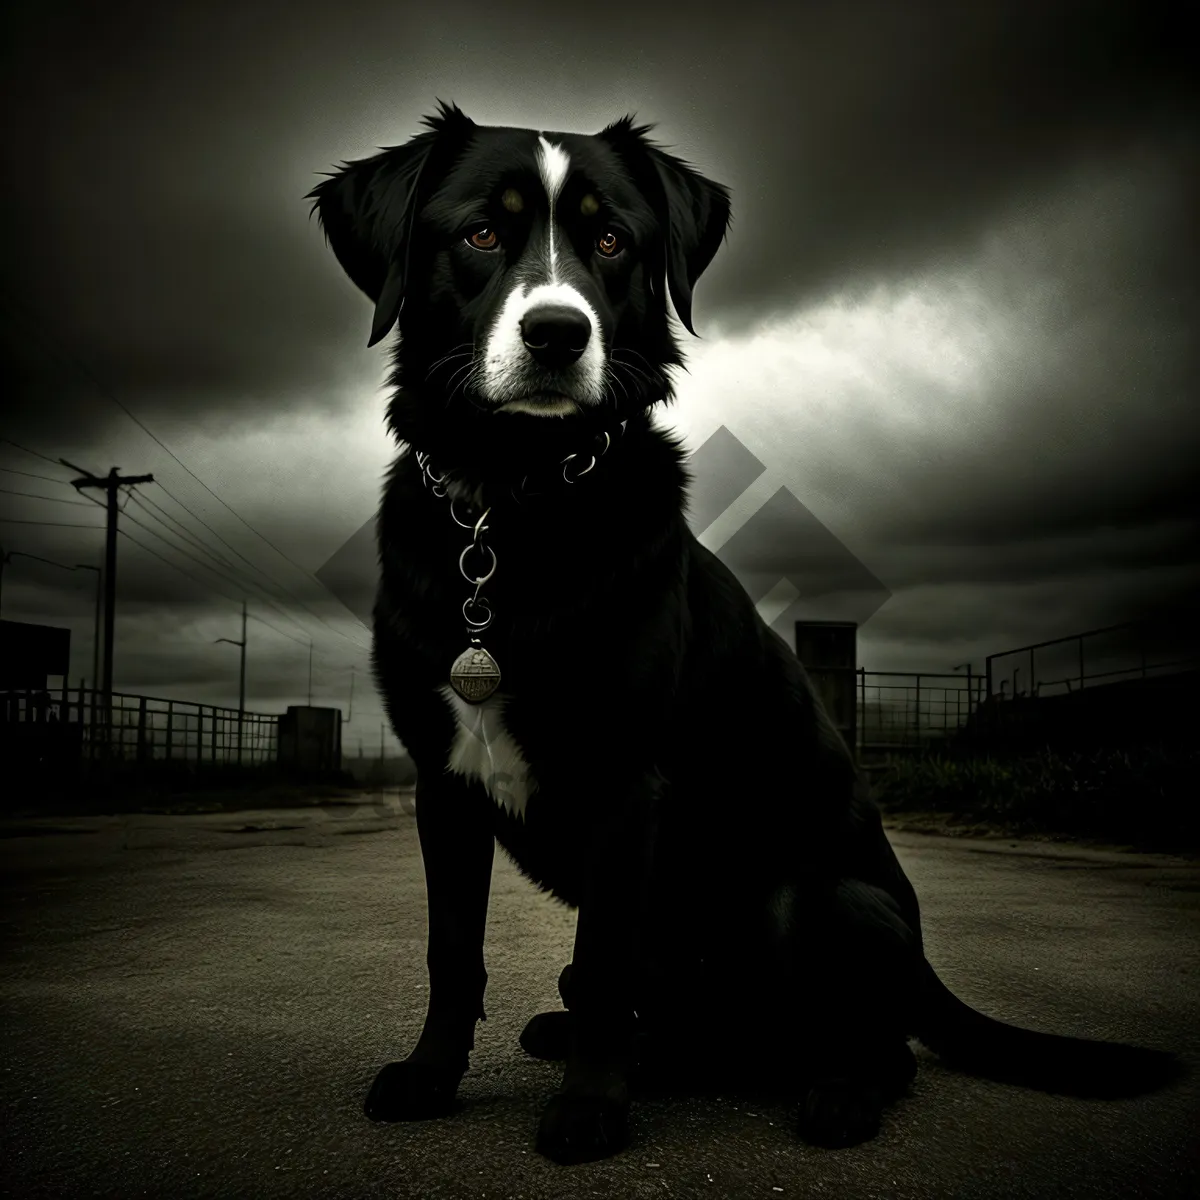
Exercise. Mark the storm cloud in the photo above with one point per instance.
(954, 320)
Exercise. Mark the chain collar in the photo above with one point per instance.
(601, 443)
(475, 674)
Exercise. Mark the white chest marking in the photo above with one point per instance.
(553, 165)
(483, 749)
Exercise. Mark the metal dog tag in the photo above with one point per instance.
(475, 675)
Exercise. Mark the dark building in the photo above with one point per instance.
(34, 734)
(31, 654)
(310, 740)
(829, 652)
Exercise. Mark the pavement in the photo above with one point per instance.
(194, 1006)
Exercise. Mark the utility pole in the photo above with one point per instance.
(241, 680)
(350, 715)
(110, 483)
(310, 673)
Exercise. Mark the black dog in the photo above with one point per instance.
(575, 676)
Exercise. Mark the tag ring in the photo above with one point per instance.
(473, 603)
(482, 579)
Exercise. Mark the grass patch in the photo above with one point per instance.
(1140, 795)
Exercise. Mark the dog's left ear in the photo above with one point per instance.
(693, 211)
(367, 211)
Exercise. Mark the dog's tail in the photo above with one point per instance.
(979, 1045)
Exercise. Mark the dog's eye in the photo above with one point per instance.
(483, 239)
(609, 245)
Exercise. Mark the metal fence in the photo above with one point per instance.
(129, 728)
(1131, 650)
(900, 711)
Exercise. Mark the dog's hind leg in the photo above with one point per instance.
(588, 1117)
(548, 1035)
(850, 967)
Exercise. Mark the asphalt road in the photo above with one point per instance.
(195, 1006)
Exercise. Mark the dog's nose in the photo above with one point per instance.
(555, 334)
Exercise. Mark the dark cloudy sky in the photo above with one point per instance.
(955, 318)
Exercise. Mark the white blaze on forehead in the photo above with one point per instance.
(553, 165)
(508, 374)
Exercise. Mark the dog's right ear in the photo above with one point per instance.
(368, 208)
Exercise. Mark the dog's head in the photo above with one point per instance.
(525, 271)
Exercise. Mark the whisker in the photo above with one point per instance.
(633, 369)
(446, 359)
(465, 370)
(615, 378)
(459, 349)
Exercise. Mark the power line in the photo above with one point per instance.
(34, 475)
(259, 569)
(291, 595)
(187, 574)
(57, 524)
(220, 559)
(253, 616)
(298, 641)
(35, 496)
(306, 641)
(238, 579)
(265, 574)
(35, 454)
(163, 516)
(175, 566)
(234, 579)
(240, 583)
(109, 395)
(197, 517)
(228, 578)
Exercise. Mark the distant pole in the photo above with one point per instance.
(350, 715)
(110, 483)
(110, 582)
(310, 674)
(242, 685)
(379, 774)
(99, 607)
(241, 679)
(95, 631)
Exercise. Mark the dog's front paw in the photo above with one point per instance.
(412, 1091)
(839, 1112)
(578, 1129)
